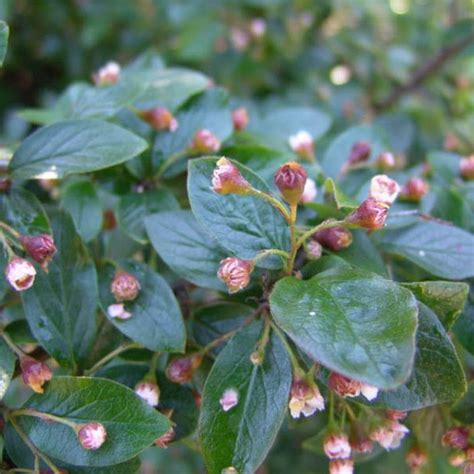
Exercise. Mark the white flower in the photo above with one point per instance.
(149, 392)
(302, 143)
(258, 27)
(229, 399)
(20, 273)
(337, 446)
(383, 189)
(107, 74)
(92, 435)
(345, 466)
(118, 311)
(390, 435)
(305, 399)
(369, 391)
(310, 191)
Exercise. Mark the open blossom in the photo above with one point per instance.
(118, 311)
(302, 144)
(149, 392)
(334, 238)
(309, 192)
(384, 189)
(466, 167)
(164, 440)
(360, 152)
(240, 118)
(305, 399)
(92, 435)
(344, 386)
(34, 373)
(386, 161)
(371, 214)
(160, 118)
(290, 179)
(416, 458)
(125, 287)
(20, 273)
(389, 435)
(235, 273)
(456, 437)
(336, 446)
(107, 75)
(414, 190)
(229, 399)
(227, 179)
(181, 369)
(204, 141)
(40, 248)
(341, 466)
(369, 391)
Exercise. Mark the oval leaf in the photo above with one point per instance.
(7, 365)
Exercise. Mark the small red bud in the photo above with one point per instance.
(363, 446)
(416, 458)
(197, 398)
(205, 141)
(334, 238)
(414, 190)
(92, 435)
(160, 119)
(240, 118)
(344, 386)
(40, 248)
(235, 273)
(109, 220)
(466, 167)
(20, 273)
(164, 440)
(359, 153)
(125, 287)
(371, 214)
(34, 373)
(457, 437)
(181, 370)
(227, 179)
(290, 179)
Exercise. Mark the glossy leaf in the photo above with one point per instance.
(61, 305)
(242, 436)
(131, 424)
(463, 410)
(7, 365)
(350, 321)
(156, 320)
(74, 146)
(243, 225)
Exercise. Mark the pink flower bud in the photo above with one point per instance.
(395, 415)
(302, 144)
(20, 273)
(125, 287)
(239, 38)
(258, 27)
(416, 458)
(336, 446)
(305, 398)
(344, 386)
(240, 118)
(290, 179)
(229, 399)
(34, 373)
(457, 459)
(467, 167)
(451, 142)
(359, 153)
(371, 214)
(345, 466)
(309, 192)
(181, 369)
(314, 250)
(469, 468)
(414, 190)
(205, 141)
(148, 391)
(160, 119)
(107, 75)
(369, 391)
(235, 273)
(457, 437)
(92, 435)
(118, 311)
(40, 248)
(164, 440)
(334, 238)
(227, 179)
(384, 189)
(386, 161)
(389, 435)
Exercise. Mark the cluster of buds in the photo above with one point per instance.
(34, 373)
(160, 118)
(92, 435)
(291, 179)
(229, 399)
(305, 397)
(107, 75)
(346, 387)
(20, 273)
(204, 141)
(235, 273)
(389, 434)
(302, 144)
(466, 167)
(148, 391)
(227, 179)
(240, 118)
(416, 458)
(414, 190)
(181, 369)
(334, 238)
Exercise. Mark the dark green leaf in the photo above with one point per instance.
(3, 40)
(244, 225)
(242, 436)
(464, 327)
(7, 365)
(342, 201)
(74, 146)
(351, 321)
(463, 410)
(156, 320)
(185, 247)
(80, 199)
(134, 208)
(131, 424)
(444, 165)
(442, 250)
(61, 305)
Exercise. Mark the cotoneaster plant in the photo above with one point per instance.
(180, 267)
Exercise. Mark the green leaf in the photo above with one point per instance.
(156, 320)
(442, 250)
(61, 305)
(3, 40)
(243, 225)
(131, 424)
(242, 436)
(445, 298)
(134, 208)
(80, 199)
(437, 374)
(22, 210)
(186, 248)
(7, 365)
(444, 166)
(464, 327)
(74, 146)
(463, 410)
(353, 322)
(342, 201)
